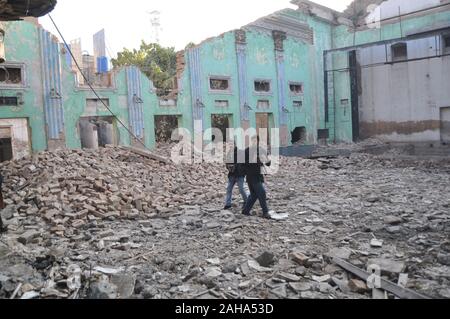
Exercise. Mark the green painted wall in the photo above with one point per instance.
(22, 47)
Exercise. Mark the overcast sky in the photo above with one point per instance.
(183, 21)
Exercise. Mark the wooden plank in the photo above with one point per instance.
(401, 292)
(146, 154)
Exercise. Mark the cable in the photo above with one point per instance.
(91, 87)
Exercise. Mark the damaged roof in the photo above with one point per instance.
(17, 9)
(286, 21)
(358, 9)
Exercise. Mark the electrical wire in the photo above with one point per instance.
(92, 88)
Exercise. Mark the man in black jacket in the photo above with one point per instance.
(254, 162)
(236, 175)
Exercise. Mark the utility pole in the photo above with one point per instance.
(155, 20)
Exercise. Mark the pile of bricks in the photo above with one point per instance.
(71, 188)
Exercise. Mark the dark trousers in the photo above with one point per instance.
(257, 192)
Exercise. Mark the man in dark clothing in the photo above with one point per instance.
(236, 175)
(255, 179)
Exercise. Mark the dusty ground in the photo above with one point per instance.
(164, 234)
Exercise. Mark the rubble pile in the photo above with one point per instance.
(114, 224)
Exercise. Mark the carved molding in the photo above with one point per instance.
(241, 37)
(279, 37)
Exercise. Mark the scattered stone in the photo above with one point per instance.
(252, 264)
(267, 259)
(30, 295)
(342, 253)
(125, 284)
(393, 220)
(388, 266)
(358, 286)
(375, 243)
(214, 261)
(288, 277)
(299, 258)
(213, 272)
(300, 286)
(103, 290)
(149, 292)
(300, 271)
(113, 207)
(8, 212)
(343, 285)
(28, 236)
(280, 292)
(393, 229)
(332, 269)
(325, 278)
(444, 259)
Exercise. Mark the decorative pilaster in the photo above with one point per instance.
(196, 89)
(135, 103)
(51, 75)
(279, 38)
(241, 52)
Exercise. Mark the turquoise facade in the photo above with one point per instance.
(286, 53)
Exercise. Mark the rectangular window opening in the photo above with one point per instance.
(399, 52)
(10, 75)
(222, 103)
(262, 86)
(323, 134)
(298, 104)
(446, 44)
(296, 88)
(9, 101)
(218, 84)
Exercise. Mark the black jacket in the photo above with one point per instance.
(236, 169)
(253, 166)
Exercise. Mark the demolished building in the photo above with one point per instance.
(316, 74)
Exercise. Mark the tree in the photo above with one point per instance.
(157, 62)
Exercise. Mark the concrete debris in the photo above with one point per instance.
(387, 265)
(375, 243)
(254, 265)
(267, 259)
(125, 284)
(320, 279)
(299, 258)
(393, 220)
(103, 290)
(358, 286)
(116, 223)
(342, 253)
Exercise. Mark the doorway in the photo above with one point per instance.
(165, 125)
(445, 125)
(96, 132)
(263, 124)
(15, 141)
(6, 149)
(299, 136)
(221, 122)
